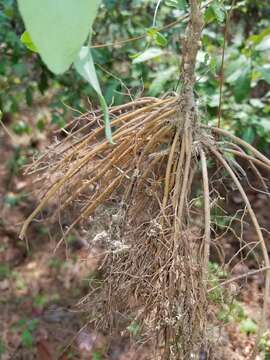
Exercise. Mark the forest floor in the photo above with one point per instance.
(40, 290)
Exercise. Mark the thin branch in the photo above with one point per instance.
(162, 28)
(222, 63)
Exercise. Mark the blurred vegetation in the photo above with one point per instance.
(149, 66)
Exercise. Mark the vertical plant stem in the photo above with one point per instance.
(207, 217)
(222, 63)
(191, 46)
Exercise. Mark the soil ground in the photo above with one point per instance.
(39, 290)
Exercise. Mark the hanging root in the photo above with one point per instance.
(159, 276)
(155, 272)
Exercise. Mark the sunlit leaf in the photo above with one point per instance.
(264, 45)
(27, 41)
(256, 39)
(265, 73)
(156, 36)
(148, 54)
(160, 39)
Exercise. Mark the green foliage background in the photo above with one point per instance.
(149, 66)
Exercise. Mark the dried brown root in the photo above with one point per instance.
(158, 276)
(72, 160)
(207, 215)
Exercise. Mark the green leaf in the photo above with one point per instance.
(2, 348)
(209, 15)
(134, 328)
(249, 134)
(32, 324)
(58, 28)
(265, 73)
(160, 80)
(85, 66)
(27, 338)
(242, 85)
(265, 123)
(21, 127)
(29, 96)
(264, 45)
(96, 355)
(256, 39)
(151, 32)
(218, 11)
(4, 271)
(27, 41)
(178, 4)
(148, 54)
(248, 326)
(214, 11)
(160, 39)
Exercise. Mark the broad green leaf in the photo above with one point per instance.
(209, 15)
(148, 55)
(218, 11)
(58, 28)
(85, 66)
(214, 11)
(27, 41)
